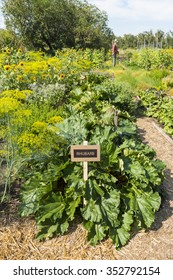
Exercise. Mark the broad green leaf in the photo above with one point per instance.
(123, 236)
(96, 232)
(52, 229)
(73, 129)
(146, 210)
(32, 195)
(41, 236)
(137, 170)
(154, 174)
(119, 236)
(92, 211)
(114, 236)
(64, 227)
(113, 156)
(107, 117)
(147, 205)
(87, 225)
(101, 176)
(110, 207)
(127, 220)
(129, 201)
(159, 165)
(51, 210)
(154, 200)
(71, 207)
(98, 189)
(89, 186)
(93, 190)
(100, 234)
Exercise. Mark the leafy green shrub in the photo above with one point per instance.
(158, 76)
(159, 106)
(118, 94)
(152, 58)
(121, 194)
(168, 81)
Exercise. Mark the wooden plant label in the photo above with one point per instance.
(85, 153)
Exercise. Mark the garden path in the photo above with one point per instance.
(158, 242)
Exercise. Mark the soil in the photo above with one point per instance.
(17, 235)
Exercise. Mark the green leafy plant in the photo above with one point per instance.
(159, 106)
(120, 196)
(149, 58)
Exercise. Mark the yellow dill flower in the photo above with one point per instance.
(20, 95)
(3, 153)
(21, 116)
(8, 93)
(39, 127)
(29, 142)
(25, 113)
(14, 94)
(8, 104)
(55, 119)
(7, 67)
(53, 130)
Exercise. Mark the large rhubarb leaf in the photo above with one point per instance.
(92, 211)
(110, 208)
(96, 232)
(52, 210)
(148, 205)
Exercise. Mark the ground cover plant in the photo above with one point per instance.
(159, 106)
(60, 101)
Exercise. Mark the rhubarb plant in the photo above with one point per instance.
(121, 194)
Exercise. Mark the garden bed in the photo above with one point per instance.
(17, 235)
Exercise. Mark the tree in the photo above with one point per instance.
(54, 24)
(91, 29)
(169, 40)
(7, 39)
(148, 39)
(42, 23)
(127, 41)
(159, 37)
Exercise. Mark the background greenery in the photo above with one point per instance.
(52, 24)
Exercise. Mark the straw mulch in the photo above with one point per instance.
(17, 236)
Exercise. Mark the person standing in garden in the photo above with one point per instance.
(114, 51)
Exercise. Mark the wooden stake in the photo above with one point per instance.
(85, 165)
(116, 118)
